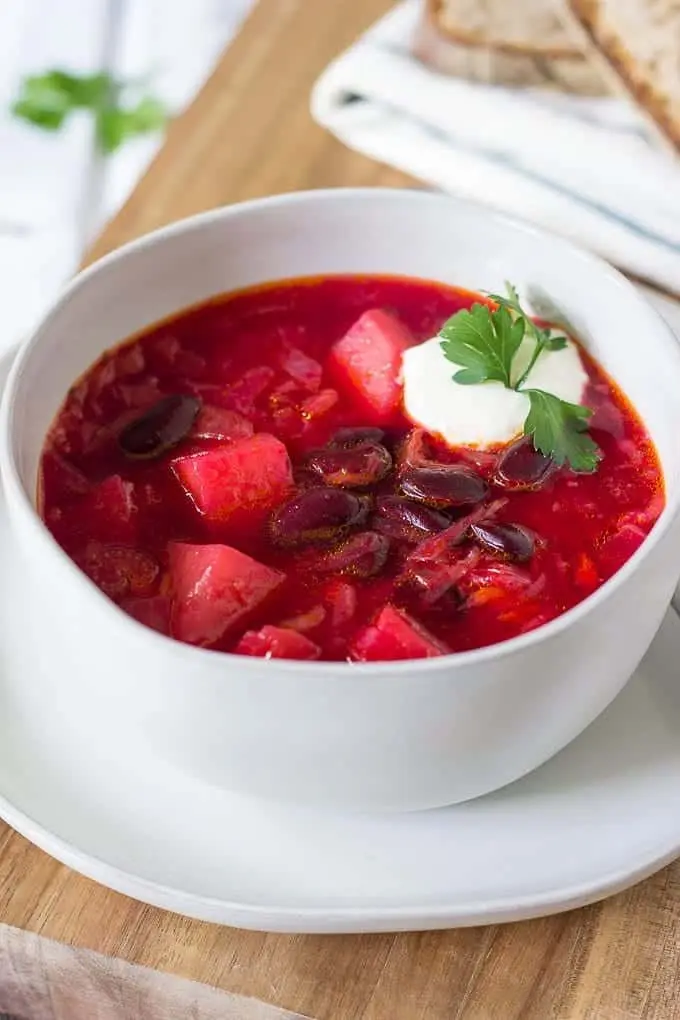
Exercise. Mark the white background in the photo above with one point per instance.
(55, 192)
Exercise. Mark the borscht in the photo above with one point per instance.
(361, 468)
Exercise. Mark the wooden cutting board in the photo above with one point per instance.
(250, 134)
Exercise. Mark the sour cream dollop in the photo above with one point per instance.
(485, 414)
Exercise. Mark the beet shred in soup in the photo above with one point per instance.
(357, 468)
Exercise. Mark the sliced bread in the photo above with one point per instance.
(531, 27)
(505, 43)
(640, 42)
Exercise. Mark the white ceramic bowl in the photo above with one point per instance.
(390, 736)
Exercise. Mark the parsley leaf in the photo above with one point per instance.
(47, 100)
(553, 343)
(109, 130)
(543, 337)
(148, 115)
(83, 91)
(483, 342)
(558, 430)
(43, 101)
(113, 126)
(48, 116)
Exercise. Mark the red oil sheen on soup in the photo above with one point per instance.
(152, 533)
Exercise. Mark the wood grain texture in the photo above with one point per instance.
(249, 134)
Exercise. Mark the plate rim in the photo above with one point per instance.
(331, 920)
(320, 919)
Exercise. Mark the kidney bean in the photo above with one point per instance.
(406, 520)
(418, 450)
(355, 435)
(440, 546)
(444, 485)
(415, 450)
(352, 467)
(317, 515)
(522, 468)
(160, 428)
(362, 555)
(508, 541)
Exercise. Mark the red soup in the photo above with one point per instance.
(243, 477)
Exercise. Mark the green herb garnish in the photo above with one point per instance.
(558, 430)
(47, 100)
(484, 341)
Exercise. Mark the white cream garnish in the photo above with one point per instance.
(485, 414)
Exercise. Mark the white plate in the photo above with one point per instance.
(598, 817)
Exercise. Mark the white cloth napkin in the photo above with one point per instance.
(581, 167)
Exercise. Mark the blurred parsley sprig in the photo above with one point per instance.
(46, 100)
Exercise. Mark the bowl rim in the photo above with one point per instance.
(455, 661)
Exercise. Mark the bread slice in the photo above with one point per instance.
(504, 43)
(640, 42)
(531, 27)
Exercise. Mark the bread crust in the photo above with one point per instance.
(611, 49)
(468, 56)
(568, 50)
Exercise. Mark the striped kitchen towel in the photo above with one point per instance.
(581, 167)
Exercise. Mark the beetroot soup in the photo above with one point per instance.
(363, 468)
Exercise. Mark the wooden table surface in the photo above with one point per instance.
(249, 133)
